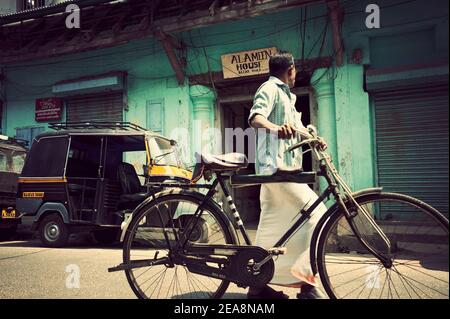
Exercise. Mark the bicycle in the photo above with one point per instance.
(357, 249)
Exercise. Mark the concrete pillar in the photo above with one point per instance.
(323, 86)
(353, 127)
(203, 106)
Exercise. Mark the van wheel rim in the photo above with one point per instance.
(51, 231)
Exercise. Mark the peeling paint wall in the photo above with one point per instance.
(412, 33)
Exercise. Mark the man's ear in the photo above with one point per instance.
(290, 70)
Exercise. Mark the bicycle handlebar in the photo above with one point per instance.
(300, 144)
(315, 139)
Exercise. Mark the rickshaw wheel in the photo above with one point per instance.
(201, 231)
(53, 232)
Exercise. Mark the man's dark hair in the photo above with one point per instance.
(280, 62)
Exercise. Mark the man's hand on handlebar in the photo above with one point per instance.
(322, 144)
(286, 131)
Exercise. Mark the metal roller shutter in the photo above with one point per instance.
(104, 107)
(412, 143)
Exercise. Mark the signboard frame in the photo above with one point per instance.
(246, 63)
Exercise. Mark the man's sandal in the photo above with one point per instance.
(267, 293)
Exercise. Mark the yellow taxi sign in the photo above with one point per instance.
(8, 214)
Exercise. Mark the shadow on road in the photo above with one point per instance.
(204, 294)
(81, 241)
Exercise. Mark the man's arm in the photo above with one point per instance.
(284, 131)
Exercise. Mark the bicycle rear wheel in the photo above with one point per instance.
(419, 252)
(152, 235)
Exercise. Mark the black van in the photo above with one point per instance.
(12, 157)
(89, 176)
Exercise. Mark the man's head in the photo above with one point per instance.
(282, 65)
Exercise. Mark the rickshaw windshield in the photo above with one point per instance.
(11, 161)
(18, 160)
(3, 162)
(163, 153)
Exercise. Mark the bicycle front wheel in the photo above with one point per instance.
(418, 236)
(152, 236)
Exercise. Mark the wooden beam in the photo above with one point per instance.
(183, 8)
(234, 11)
(155, 6)
(170, 51)
(212, 7)
(175, 42)
(98, 19)
(307, 67)
(117, 27)
(192, 20)
(336, 15)
(45, 26)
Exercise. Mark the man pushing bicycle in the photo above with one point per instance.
(274, 110)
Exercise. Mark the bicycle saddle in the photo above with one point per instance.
(224, 162)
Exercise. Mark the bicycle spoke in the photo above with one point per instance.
(156, 281)
(412, 285)
(404, 286)
(362, 285)
(393, 285)
(419, 252)
(350, 281)
(172, 282)
(162, 280)
(384, 285)
(157, 231)
(152, 277)
(434, 277)
(347, 271)
(407, 277)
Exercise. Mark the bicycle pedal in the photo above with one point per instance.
(278, 250)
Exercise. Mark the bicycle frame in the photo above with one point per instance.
(335, 182)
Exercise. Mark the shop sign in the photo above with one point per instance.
(246, 63)
(48, 109)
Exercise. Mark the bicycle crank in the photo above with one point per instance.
(243, 265)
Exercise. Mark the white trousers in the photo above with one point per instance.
(280, 207)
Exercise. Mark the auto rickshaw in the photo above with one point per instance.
(91, 176)
(12, 157)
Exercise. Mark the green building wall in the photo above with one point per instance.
(412, 33)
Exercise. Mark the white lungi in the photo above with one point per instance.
(280, 207)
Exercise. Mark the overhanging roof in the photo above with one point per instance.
(41, 33)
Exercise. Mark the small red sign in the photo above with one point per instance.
(48, 109)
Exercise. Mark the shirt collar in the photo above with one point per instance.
(279, 83)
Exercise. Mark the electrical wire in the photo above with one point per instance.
(195, 48)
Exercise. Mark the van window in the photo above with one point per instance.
(84, 157)
(47, 157)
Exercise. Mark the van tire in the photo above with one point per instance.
(53, 232)
(201, 231)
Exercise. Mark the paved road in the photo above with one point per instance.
(29, 270)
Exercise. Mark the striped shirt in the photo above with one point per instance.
(276, 103)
